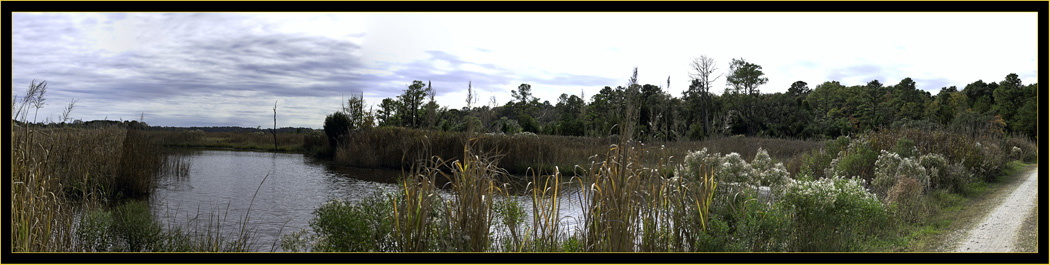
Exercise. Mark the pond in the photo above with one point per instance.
(277, 191)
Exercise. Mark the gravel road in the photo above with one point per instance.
(998, 230)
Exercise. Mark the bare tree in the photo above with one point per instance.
(274, 130)
(701, 70)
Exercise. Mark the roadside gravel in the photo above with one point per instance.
(999, 229)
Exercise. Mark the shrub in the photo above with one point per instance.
(937, 168)
(815, 163)
(832, 214)
(988, 164)
(733, 169)
(766, 172)
(1028, 150)
(695, 161)
(341, 226)
(511, 215)
(335, 126)
(94, 230)
(906, 195)
(891, 167)
(857, 159)
(1015, 153)
(742, 222)
(956, 178)
(317, 144)
(905, 148)
(134, 224)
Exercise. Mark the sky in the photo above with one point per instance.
(228, 69)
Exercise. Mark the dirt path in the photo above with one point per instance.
(998, 230)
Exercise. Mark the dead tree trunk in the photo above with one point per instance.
(274, 130)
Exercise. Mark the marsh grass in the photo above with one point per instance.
(521, 154)
(79, 189)
(286, 142)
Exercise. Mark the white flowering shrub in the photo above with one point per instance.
(832, 214)
(733, 169)
(694, 161)
(891, 167)
(885, 171)
(936, 166)
(910, 168)
(767, 173)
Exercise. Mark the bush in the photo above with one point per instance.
(906, 195)
(988, 164)
(346, 227)
(752, 224)
(815, 163)
(696, 162)
(857, 159)
(317, 144)
(335, 126)
(905, 148)
(94, 230)
(956, 178)
(733, 169)
(832, 214)
(891, 167)
(1028, 150)
(937, 169)
(135, 225)
(766, 172)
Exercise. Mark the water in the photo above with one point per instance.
(223, 183)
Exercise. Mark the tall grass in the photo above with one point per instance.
(80, 189)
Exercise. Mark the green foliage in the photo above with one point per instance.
(856, 159)
(905, 148)
(94, 230)
(816, 161)
(134, 224)
(346, 227)
(832, 214)
(335, 126)
(528, 124)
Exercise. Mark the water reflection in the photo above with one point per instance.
(279, 192)
(282, 190)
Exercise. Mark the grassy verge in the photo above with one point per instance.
(952, 214)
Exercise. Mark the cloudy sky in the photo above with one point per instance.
(218, 69)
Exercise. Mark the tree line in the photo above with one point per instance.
(649, 112)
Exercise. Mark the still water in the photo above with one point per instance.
(278, 192)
